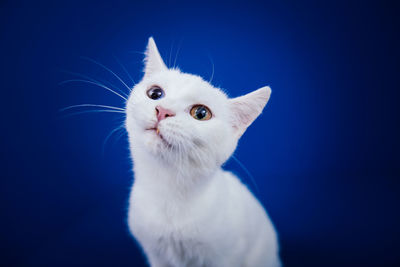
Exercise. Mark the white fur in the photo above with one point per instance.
(184, 209)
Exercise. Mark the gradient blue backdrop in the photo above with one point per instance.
(325, 153)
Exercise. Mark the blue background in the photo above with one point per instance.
(324, 154)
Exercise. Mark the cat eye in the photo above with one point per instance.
(200, 112)
(155, 92)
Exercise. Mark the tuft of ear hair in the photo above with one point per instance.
(245, 109)
(153, 60)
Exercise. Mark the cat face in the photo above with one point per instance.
(181, 119)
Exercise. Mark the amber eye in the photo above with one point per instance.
(201, 112)
(155, 92)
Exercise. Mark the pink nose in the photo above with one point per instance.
(163, 113)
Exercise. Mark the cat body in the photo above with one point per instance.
(184, 210)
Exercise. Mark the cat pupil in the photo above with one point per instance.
(156, 94)
(201, 113)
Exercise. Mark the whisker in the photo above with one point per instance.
(170, 54)
(121, 127)
(177, 52)
(126, 71)
(121, 134)
(212, 74)
(103, 82)
(101, 65)
(247, 172)
(79, 75)
(90, 105)
(92, 111)
(94, 83)
(137, 52)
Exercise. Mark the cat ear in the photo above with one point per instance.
(153, 61)
(245, 109)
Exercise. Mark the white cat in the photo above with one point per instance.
(184, 209)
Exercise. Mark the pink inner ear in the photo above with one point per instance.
(243, 119)
(247, 108)
(244, 114)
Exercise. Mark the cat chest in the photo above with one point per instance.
(181, 244)
(165, 221)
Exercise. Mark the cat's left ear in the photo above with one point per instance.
(245, 109)
(153, 61)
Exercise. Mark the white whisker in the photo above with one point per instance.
(126, 71)
(137, 52)
(80, 75)
(121, 127)
(93, 111)
(170, 54)
(177, 52)
(212, 74)
(101, 65)
(103, 82)
(91, 105)
(247, 172)
(94, 83)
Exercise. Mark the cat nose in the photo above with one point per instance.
(163, 113)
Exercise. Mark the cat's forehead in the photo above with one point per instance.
(186, 87)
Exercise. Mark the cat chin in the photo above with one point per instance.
(157, 136)
(159, 149)
(155, 142)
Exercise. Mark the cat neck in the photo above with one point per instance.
(161, 178)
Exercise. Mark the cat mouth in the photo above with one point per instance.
(158, 133)
(155, 129)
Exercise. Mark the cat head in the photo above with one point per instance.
(181, 119)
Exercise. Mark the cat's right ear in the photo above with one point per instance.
(245, 109)
(153, 62)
